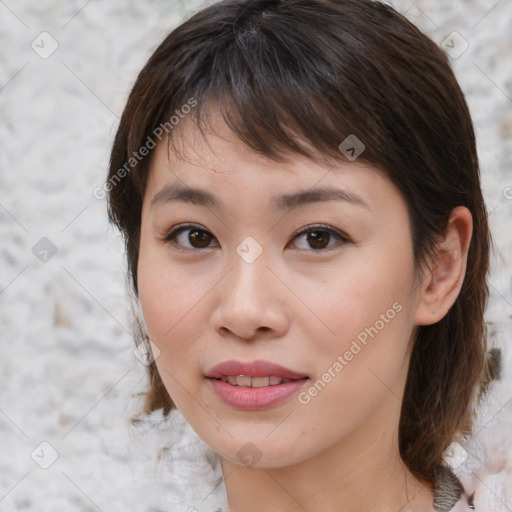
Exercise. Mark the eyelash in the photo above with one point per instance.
(171, 236)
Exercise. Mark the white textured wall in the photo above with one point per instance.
(67, 371)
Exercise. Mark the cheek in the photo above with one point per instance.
(364, 300)
(168, 299)
(361, 344)
(171, 304)
(167, 304)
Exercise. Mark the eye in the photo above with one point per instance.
(190, 234)
(320, 237)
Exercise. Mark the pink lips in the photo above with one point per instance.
(247, 398)
(252, 369)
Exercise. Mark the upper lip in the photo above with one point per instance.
(252, 369)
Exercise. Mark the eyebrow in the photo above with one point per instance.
(203, 198)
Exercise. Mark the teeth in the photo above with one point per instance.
(244, 381)
(260, 382)
(253, 382)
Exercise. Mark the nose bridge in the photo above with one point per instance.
(249, 276)
(249, 299)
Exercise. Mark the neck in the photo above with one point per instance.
(342, 479)
(362, 472)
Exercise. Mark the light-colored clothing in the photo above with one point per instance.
(182, 474)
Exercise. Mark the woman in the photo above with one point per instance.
(298, 187)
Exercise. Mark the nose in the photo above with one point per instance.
(251, 302)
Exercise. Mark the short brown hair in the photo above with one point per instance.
(290, 75)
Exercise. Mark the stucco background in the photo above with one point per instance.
(68, 374)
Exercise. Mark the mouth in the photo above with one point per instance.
(245, 381)
(254, 374)
(254, 385)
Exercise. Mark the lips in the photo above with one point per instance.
(253, 369)
(255, 385)
(245, 381)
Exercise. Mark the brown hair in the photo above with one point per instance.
(299, 74)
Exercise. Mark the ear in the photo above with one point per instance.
(447, 267)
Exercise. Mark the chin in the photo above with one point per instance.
(258, 452)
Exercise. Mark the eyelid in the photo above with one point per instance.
(323, 227)
(342, 237)
(173, 232)
(176, 230)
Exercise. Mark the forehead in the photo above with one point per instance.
(214, 148)
(216, 160)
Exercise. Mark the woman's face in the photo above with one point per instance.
(254, 263)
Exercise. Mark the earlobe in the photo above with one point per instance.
(443, 279)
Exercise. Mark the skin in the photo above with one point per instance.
(299, 305)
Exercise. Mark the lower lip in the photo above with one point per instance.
(251, 399)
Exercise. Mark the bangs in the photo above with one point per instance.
(281, 87)
(285, 79)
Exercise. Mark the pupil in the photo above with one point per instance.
(318, 239)
(201, 238)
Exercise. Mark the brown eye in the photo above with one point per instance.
(190, 237)
(199, 238)
(319, 237)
